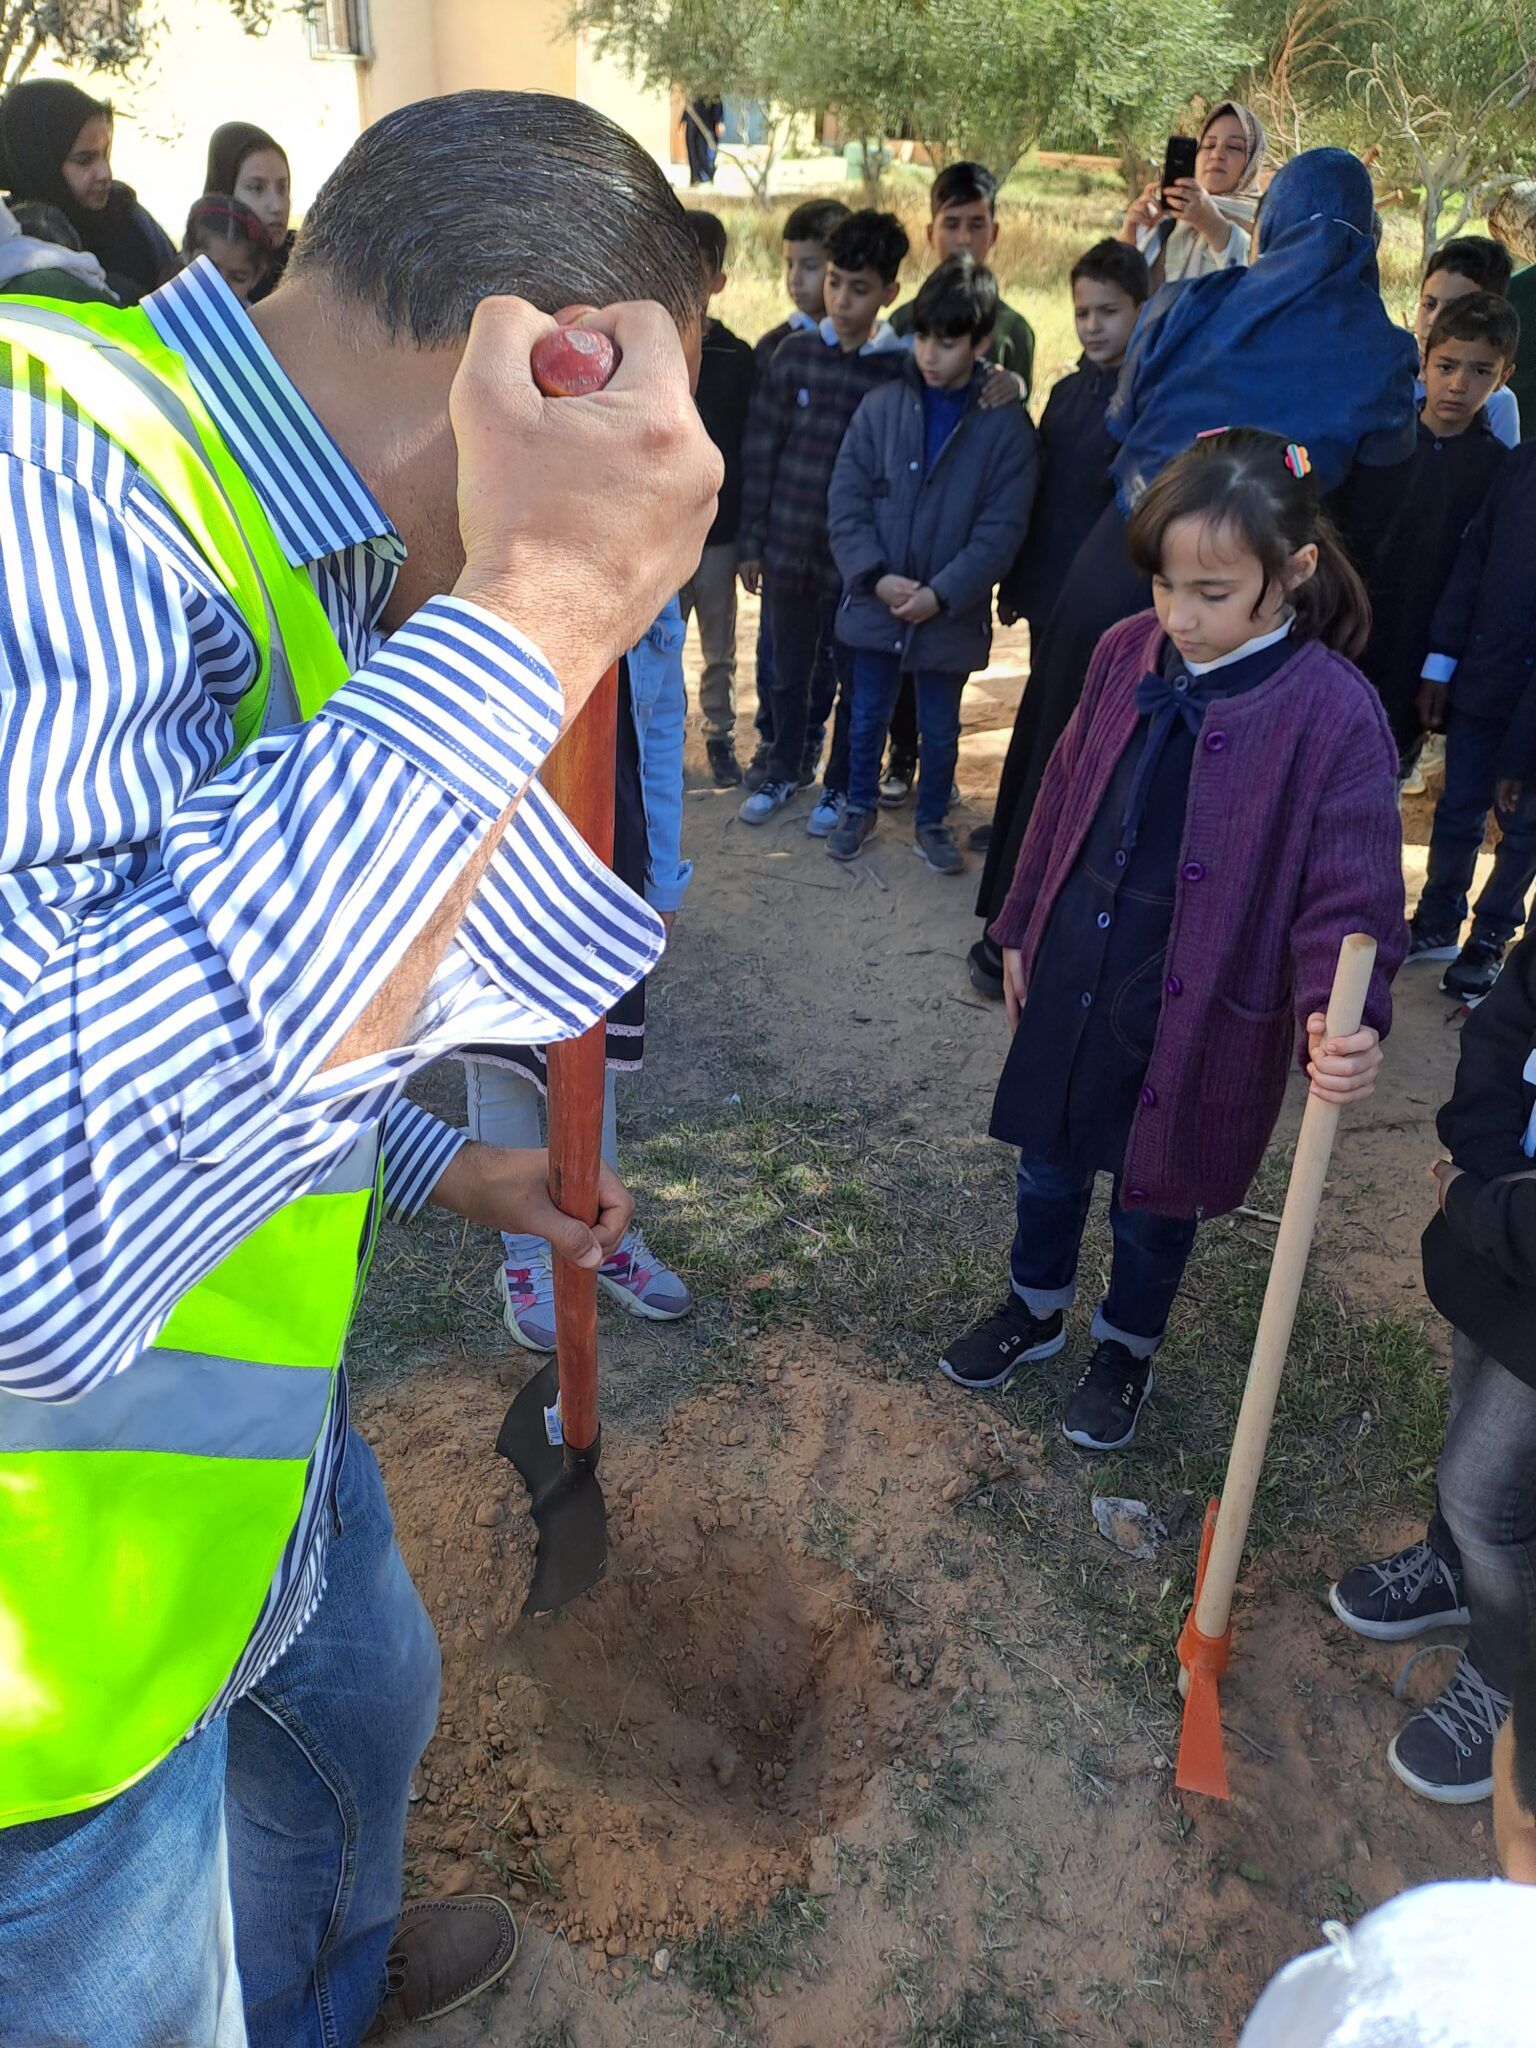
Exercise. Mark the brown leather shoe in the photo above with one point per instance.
(445, 1950)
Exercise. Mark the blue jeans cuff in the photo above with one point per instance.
(1046, 1301)
(1104, 1332)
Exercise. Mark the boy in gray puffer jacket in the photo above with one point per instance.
(928, 505)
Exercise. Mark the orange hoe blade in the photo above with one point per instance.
(1206, 1638)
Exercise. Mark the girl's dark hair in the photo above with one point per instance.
(1241, 481)
(960, 297)
(231, 222)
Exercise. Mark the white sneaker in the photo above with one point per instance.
(824, 816)
(526, 1283)
(762, 803)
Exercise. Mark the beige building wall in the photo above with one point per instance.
(206, 70)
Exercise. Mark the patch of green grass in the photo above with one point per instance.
(728, 1965)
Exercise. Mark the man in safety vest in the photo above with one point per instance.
(295, 604)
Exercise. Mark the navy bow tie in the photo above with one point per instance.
(1165, 701)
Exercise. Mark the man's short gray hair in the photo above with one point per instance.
(449, 201)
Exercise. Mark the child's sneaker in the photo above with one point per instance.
(1428, 945)
(767, 798)
(853, 828)
(1474, 971)
(1445, 1752)
(640, 1283)
(1103, 1413)
(526, 1284)
(825, 812)
(989, 1355)
(896, 783)
(1400, 1596)
(936, 845)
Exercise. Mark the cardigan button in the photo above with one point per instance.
(1215, 742)
(1193, 871)
(1135, 1194)
(1149, 1098)
(1174, 986)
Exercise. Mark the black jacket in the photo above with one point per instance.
(1076, 450)
(1486, 617)
(726, 371)
(1480, 1251)
(1404, 526)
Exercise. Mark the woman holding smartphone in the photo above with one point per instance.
(1193, 225)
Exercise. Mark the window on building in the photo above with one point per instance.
(339, 28)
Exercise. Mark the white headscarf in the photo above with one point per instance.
(21, 254)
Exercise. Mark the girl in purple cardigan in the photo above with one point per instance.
(1219, 813)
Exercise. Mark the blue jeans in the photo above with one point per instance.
(1473, 762)
(1485, 1507)
(1150, 1254)
(246, 1890)
(876, 684)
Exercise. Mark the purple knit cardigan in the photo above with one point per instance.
(1291, 840)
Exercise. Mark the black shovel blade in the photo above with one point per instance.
(566, 1498)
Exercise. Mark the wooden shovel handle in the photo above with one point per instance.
(579, 776)
(1287, 1271)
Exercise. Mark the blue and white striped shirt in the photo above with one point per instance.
(183, 946)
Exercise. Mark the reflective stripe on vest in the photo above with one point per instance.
(141, 1525)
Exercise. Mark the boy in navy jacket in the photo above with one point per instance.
(930, 498)
(1479, 680)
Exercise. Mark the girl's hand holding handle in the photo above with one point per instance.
(1341, 1070)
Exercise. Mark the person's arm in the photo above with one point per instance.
(1352, 878)
(1483, 1123)
(183, 1055)
(1496, 1220)
(851, 527)
(1450, 627)
(1000, 525)
(767, 425)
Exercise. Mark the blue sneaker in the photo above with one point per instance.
(762, 803)
(828, 808)
(526, 1284)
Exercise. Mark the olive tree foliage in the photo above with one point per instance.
(111, 36)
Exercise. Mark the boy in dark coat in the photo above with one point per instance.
(1404, 523)
(1476, 1567)
(929, 501)
(799, 415)
(1478, 684)
(724, 393)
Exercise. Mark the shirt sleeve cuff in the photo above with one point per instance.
(1438, 668)
(463, 698)
(417, 1149)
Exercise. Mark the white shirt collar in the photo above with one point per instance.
(1254, 646)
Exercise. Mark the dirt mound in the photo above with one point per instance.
(672, 1748)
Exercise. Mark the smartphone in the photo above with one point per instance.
(1178, 160)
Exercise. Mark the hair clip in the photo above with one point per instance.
(1210, 433)
(1297, 460)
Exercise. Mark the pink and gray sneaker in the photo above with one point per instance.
(526, 1284)
(640, 1283)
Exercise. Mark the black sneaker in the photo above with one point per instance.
(989, 1355)
(1474, 971)
(1400, 1596)
(756, 772)
(984, 965)
(935, 844)
(1428, 945)
(979, 839)
(846, 839)
(1445, 1752)
(723, 764)
(896, 783)
(1103, 1413)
